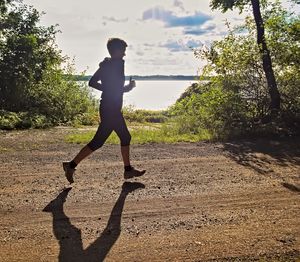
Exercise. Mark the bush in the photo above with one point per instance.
(9, 120)
(140, 115)
(63, 100)
(236, 100)
(34, 87)
(209, 108)
(22, 120)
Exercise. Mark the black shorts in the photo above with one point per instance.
(111, 120)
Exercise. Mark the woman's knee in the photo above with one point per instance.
(94, 145)
(125, 141)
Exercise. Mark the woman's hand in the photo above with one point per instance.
(130, 86)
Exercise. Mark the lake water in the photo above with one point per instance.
(153, 95)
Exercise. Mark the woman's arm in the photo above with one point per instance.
(130, 86)
(94, 81)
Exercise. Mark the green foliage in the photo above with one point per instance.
(9, 120)
(32, 77)
(210, 109)
(26, 52)
(142, 135)
(63, 100)
(224, 5)
(262, 46)
(284, 41)
(236, 101)
(140, 115)
(22, 120)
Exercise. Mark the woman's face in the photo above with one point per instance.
(119, 54)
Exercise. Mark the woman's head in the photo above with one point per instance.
(116, 47)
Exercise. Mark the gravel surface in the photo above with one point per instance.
(233, 201)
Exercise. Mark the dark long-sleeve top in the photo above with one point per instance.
(111, 75)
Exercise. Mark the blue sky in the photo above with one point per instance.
(160, 34)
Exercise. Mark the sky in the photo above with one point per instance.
(161, 34)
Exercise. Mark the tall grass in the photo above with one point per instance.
(143, 134)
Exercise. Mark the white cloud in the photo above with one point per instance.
(179, 4)
(158, 44)
(116, 20)
(182, 45)
(172, 20)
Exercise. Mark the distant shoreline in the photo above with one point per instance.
(150, 77)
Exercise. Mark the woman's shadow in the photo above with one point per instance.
(69, 237)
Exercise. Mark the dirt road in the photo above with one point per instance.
(235, 201)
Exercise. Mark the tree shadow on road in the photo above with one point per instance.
(291, 187)
(69, 237)
(261, 153)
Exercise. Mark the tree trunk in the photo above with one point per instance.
(266, 58)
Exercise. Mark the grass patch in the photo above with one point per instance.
(141, 115)
(142, 134)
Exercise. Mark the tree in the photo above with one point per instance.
(27, 51)
(236, 100)
(33, 79)
(224, 5)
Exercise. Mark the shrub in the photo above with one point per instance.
(9, 120)
(32, 78)
(236, 101)
(139, 115)
(22, 120)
